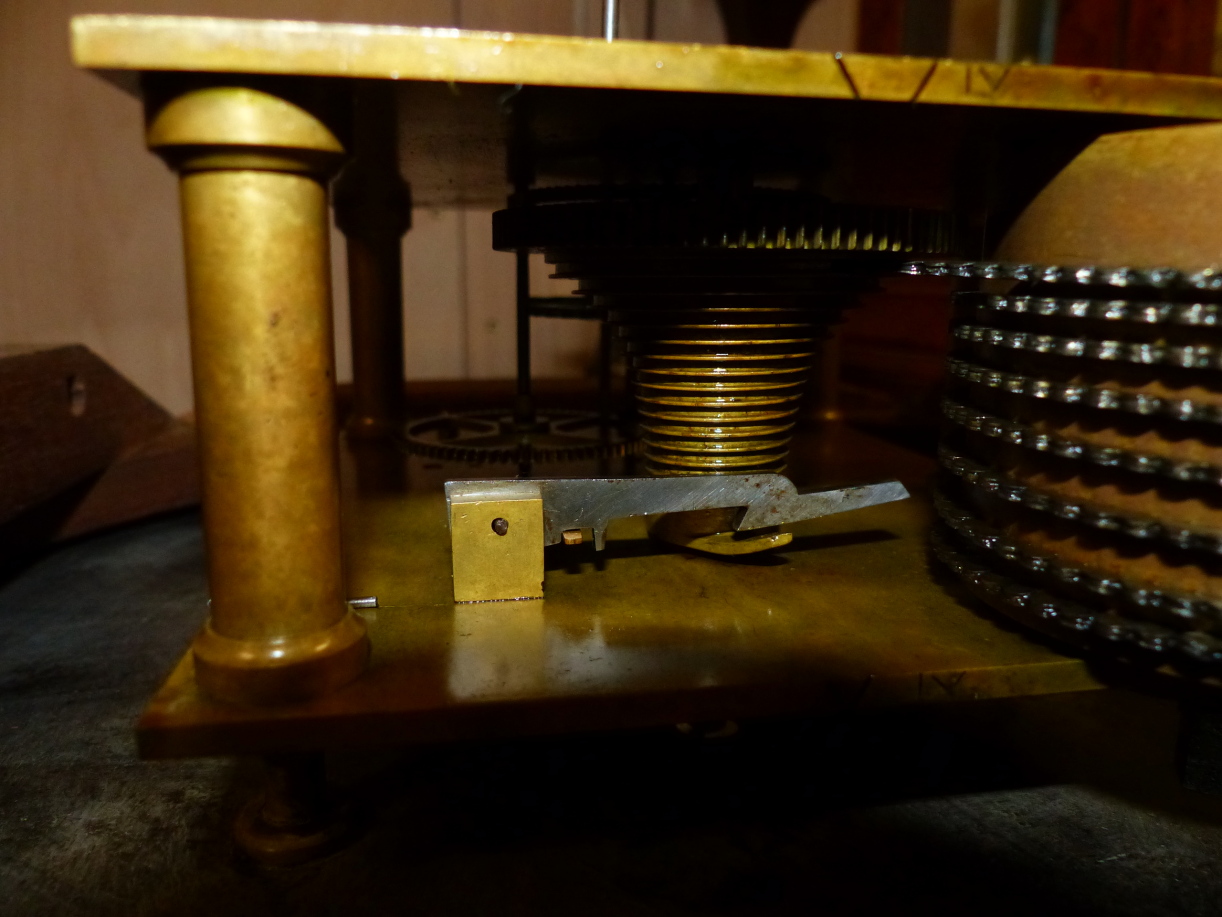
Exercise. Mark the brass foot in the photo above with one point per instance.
(293, 821)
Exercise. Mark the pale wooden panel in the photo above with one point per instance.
(689, 20)
(542, 17)
(90, 250)
(561, 348)
(491, 351)
(434, 296)
(829, 25)
(587, 18)
(973, 29)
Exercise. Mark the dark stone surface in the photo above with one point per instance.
(884, 814)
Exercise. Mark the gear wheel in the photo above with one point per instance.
(721, 296)
(489, 437)
(695, 217)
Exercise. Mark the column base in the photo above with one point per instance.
(262, 672)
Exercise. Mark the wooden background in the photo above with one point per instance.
(89, 235)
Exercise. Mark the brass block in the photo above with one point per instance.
(497, 545)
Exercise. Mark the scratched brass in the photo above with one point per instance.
(253, 170)
(491, 564)
(124, 42)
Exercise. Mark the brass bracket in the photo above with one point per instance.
(498, 528)
(497, 541)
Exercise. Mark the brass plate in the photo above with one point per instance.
(456, 88)
(206, 44)
(847, 616)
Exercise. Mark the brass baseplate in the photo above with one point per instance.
(849, 615)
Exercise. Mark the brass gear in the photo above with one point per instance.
(490, 437)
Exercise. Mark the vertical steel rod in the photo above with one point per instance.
(524, 405)
(610, 20)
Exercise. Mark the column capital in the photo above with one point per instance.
(243, 127)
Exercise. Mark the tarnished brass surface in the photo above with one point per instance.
(496, 545)
(1134, 199)
(183, 43)
(254, 208)
(846, 616)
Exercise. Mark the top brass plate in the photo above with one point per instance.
(205, 44)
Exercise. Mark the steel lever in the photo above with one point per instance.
(489, 546)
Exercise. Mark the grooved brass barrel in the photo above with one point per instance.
(718, 388)
(721, 347)
(722, 293)
(253, 169)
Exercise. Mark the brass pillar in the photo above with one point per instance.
(253, 169)
(373, 208)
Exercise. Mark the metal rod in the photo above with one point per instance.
(524, 405)
(524, 408)
(610, 20)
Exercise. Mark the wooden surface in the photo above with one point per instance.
(1151, 35)
(82, 449)
(64, 415)
(849, 616)
(157, 475)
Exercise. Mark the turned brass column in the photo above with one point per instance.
(253, 169)
(373, 208)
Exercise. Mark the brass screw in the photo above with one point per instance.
(500, 526)
(572, 536)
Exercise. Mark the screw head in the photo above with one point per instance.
(500, 526)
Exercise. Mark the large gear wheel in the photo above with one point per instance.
(491, 437)
(721, 295)
(687, 217)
